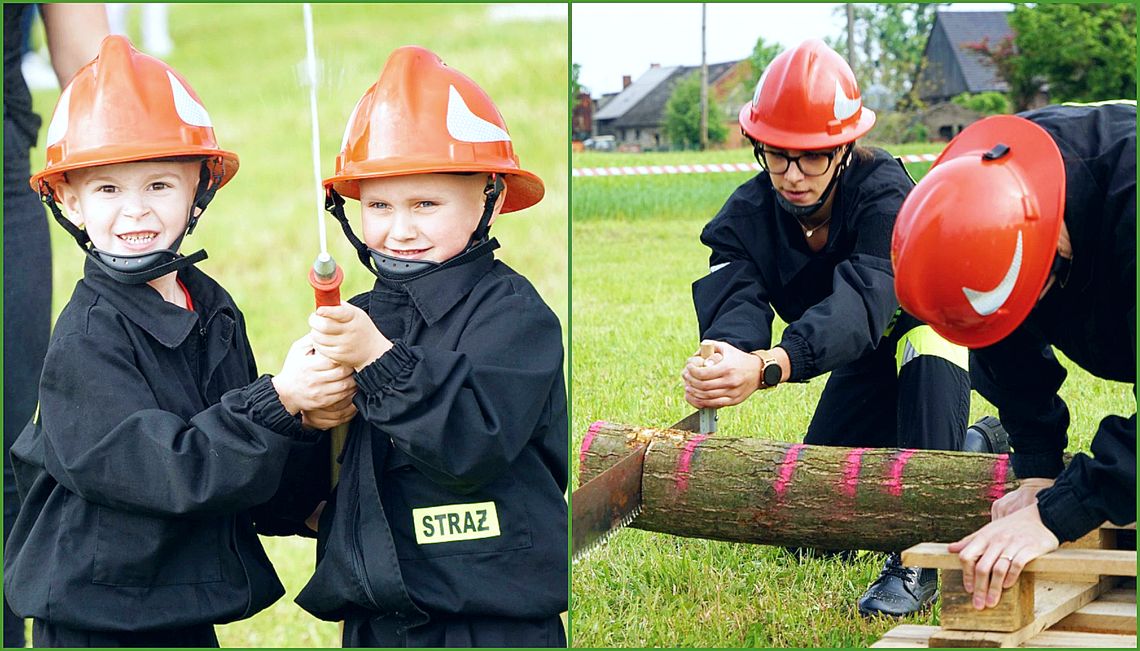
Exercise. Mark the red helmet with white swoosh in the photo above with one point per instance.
(807, 98)
(974, 241)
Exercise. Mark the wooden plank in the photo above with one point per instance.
(1075, 640)
(1101, 617)
(1113, 562)
(1054, 602)
(906, 636)
(1012, 613)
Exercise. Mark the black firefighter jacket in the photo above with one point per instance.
(838, 302)
(154, 443)
(451, 494)
(1090, 316)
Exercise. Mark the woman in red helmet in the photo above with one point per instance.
(809, 239)
(1022, 238)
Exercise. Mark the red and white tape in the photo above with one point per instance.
(706, 168)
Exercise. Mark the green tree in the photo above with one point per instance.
(575, 87)
(1085, 52)
(762, 55)
(683, 115)
(987, 103)
(889, 41)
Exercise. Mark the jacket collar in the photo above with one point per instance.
(434, 294)
(145, 307)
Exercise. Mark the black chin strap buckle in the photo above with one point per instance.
(209, 181)
(334, 205)
(491, 193)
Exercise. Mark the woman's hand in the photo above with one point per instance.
(1025, 495)
(992, 557)
(726, 378)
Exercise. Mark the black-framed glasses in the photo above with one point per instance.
(811, 163)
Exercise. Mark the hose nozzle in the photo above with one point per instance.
(326, 277)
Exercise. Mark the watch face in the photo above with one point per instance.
(772, 374)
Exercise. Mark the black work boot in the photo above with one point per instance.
(899, 590)
(986, 435)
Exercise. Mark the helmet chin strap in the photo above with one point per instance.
(398, 269)
(139, 268)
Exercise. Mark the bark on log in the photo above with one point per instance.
(777, 493)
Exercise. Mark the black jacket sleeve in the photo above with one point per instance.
(731, 302)
(1103, 486)
(107, 440)
(464, 415)
(851, 321)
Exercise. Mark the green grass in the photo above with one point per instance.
(261, 230)
(636, 253)
(736, 155)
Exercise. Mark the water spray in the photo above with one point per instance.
(325, 276)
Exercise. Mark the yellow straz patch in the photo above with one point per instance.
(453, 522)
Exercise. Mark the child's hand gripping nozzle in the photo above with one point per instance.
(326, 276)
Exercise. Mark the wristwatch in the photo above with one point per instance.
(770, 371)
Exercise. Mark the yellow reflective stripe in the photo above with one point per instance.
(923, 340)
(452, 522)
(1130, 102)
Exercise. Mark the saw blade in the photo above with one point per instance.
(606, 503)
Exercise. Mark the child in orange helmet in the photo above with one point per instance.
(448, 525)
(156, 453)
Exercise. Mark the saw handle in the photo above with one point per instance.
(707, 350)
(326, 290)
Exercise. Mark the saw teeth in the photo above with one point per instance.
(587, 551)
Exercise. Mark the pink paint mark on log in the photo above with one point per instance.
(851, 467)
(589, 440)
(894, 478)
(1001, 467)
(787, 469)
(681, 477)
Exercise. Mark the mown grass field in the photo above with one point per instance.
(635, 252)
(246, 63)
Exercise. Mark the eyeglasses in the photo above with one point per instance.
(812, 163)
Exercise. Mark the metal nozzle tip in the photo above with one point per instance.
(324, 266)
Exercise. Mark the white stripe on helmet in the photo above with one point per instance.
(465, 126)
(188, 108)
(58, 127)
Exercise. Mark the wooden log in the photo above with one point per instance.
(777, 493)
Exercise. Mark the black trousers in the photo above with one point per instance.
(46, 635)
(27, 318)
(913, 391)
(457, 632)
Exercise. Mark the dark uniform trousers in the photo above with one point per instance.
(27, 270)
(913, 391)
